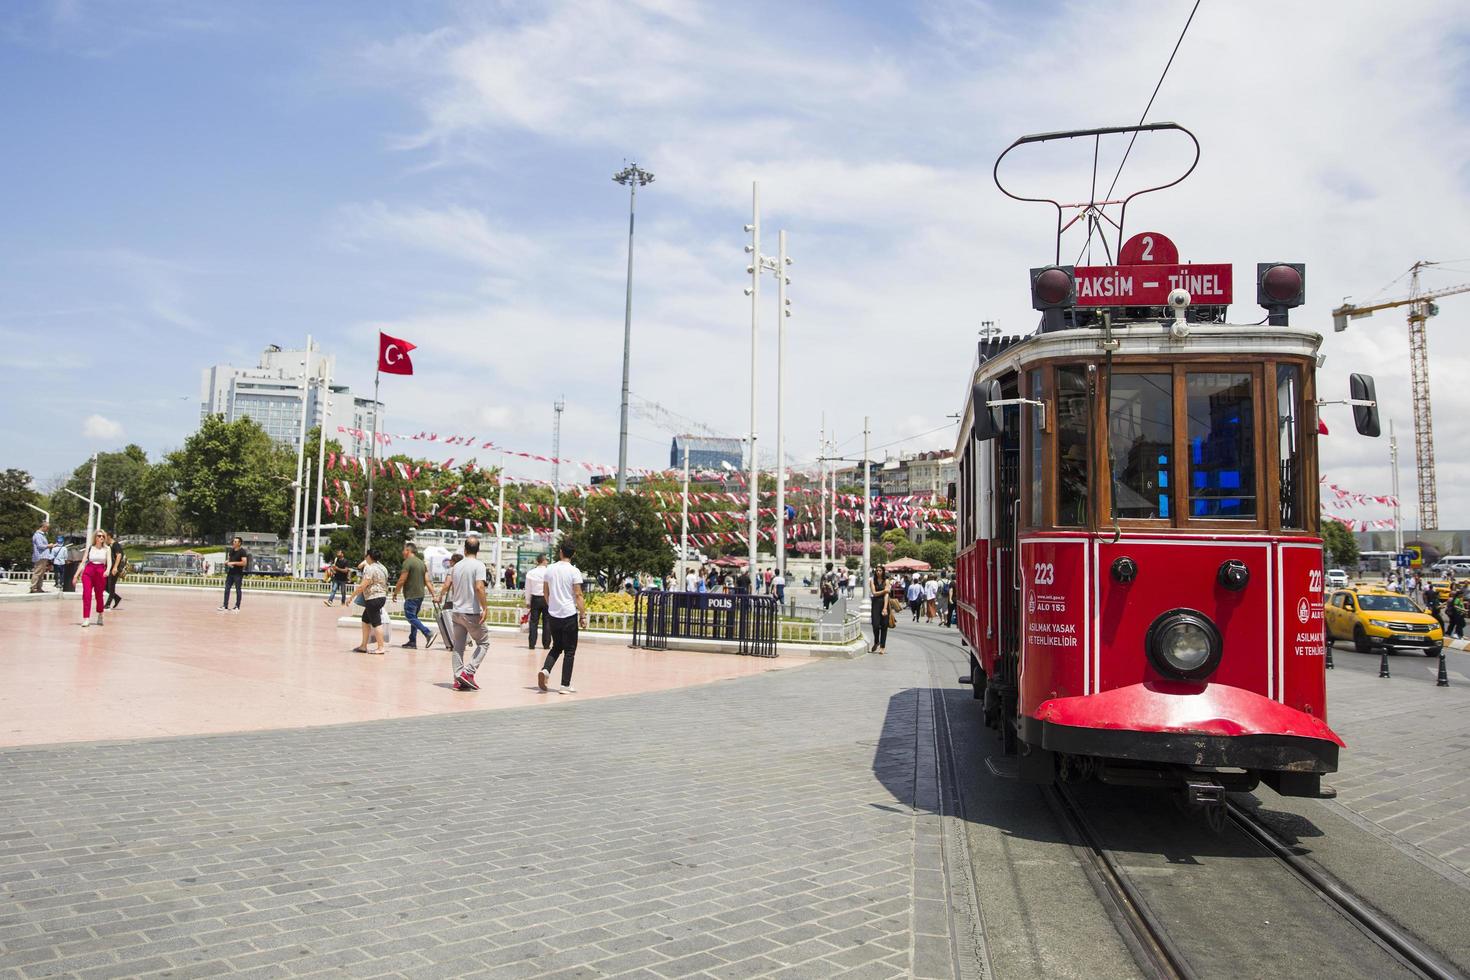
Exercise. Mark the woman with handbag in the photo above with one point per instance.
(879, 610)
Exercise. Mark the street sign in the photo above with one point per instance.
(1150, 285)
(1405, 559)
(1148, 248)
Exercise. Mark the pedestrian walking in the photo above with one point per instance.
(931, 599)
(828, 587)
(237, 560)
(466, 588)
(878, 599)
(93, 576)
(915, 595)
(374, 591)
(40, 557)
(779, 584)
(59, 556)
(537, 620)
(114, 569)
(567, 610)
(412, 584)
(1456, 612)
(942, 597)
(340, 570)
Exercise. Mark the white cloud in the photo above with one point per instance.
(457, 232)
(97, 428)
(873, 144)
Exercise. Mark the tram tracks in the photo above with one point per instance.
(1160, 954)
(1170, 947)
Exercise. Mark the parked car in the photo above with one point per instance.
(269, 565)
(1337, 578)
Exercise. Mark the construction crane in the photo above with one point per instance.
(1421, 307)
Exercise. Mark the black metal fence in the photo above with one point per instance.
(749, 620)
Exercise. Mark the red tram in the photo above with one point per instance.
(1140, 578)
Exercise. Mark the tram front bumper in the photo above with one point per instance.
(1191, 724)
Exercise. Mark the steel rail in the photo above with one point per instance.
(1408, 948)
(1152, 947)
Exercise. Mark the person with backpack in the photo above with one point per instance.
(828, 587)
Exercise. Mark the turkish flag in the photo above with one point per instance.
(393, 355)
(1321, 428)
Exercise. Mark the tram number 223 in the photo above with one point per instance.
(1046, 573)
(1314, 580)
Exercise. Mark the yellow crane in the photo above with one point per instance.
(1421, 307)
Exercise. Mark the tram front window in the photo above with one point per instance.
(1141, 430)
(1221, 447)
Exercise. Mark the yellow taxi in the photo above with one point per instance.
(1374, 618)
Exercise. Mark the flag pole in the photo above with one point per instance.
(367, 536)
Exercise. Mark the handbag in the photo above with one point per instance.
(892, 615)
(359, 601)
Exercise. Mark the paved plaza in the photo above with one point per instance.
(760, 826)
(168, 663)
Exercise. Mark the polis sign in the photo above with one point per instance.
(1148, 270)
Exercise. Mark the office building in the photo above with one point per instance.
(271, 394)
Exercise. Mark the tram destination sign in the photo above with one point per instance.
(1150, 285)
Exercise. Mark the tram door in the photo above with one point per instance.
(1006, 503)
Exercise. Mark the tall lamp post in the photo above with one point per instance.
(632, 177)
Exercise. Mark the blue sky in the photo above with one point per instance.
(184, 183)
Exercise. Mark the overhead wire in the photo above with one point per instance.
(1142, 116)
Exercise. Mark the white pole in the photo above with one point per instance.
(1393, 457)
(367, 533)
(832, 502)
(781, 314)
(558, 407)
(92, 505)
(296, 530)
(321, 465)
(755, 305)
(684, 523)
(627, 342)
(500, 517)
(822, 494)
(867, 509)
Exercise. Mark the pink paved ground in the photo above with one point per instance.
(167, 663)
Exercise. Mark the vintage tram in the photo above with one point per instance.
(1140, 576)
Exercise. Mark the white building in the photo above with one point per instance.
(271, 393)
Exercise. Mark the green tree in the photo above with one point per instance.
(896, 542)
(17, 521)
(1340, 545)
(230, 476)
(132, 492)
(939, 554)
(622, 535)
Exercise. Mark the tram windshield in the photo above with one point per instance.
(1221, 445)
(1141, 424)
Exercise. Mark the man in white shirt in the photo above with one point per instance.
(691, 581)
(536, 603)
(567, 611)
(931, 593)
(467, 592)
(778, 585)
(915, 595)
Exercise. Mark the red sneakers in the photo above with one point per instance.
(466, 681)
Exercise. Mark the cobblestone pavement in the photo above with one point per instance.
(760, 826)
(1406, 769)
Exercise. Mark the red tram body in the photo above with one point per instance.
(1140, 580)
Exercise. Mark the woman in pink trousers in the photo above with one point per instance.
(93, 575)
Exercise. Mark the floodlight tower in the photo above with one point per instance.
(632, 177)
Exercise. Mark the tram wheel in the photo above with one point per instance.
(1361, 642)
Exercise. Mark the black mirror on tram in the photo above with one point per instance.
(1365, 417)
(1053, 290)
(986, 422)
(1280, 287)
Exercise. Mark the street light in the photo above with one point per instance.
(633, 177)
(91, 505)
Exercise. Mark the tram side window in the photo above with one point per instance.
(1034, 434)
(1221, 445)
(1141, 431)
(1288, 427)
(1072, 412)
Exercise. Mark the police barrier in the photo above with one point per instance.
(749, 620)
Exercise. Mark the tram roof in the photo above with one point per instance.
(994, 358)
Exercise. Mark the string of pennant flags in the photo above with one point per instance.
(1337, 498)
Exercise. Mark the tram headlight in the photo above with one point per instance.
(1183, 643)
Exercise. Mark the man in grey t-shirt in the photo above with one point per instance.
(467, 592)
